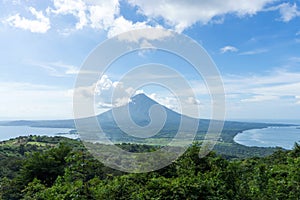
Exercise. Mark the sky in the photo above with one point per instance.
(254, 44)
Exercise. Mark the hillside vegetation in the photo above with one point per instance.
(59, 168)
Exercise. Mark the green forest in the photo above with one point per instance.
(39, 167)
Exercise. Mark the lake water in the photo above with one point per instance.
(284, 137)
(8, 132)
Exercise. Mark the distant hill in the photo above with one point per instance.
(42, 123)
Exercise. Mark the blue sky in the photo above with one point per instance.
(255, 45)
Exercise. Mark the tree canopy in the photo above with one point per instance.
(66, 170)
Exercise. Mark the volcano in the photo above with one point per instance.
(143, 114)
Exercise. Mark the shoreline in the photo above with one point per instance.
(11, 132)
(262, 143)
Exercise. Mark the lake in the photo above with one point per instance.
(8, 132)
(284, 137)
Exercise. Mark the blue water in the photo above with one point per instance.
(284, 137)
(8, 132)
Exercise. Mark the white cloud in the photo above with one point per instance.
(288, 11)
(104, 106)
(115, 94)
(193, 100)
(121, 25)
(254, 52)
(95, 14)
(168, 101)
(102, 13)
(143, 36)
(76, 8)
(182, 14)
(104, 84)
(68, 6)
(139, 92)
(177, 14)
(86, 92)
(189, 106)
(39, 25)
(228, 49)
(107, 93)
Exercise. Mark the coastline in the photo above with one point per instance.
(259, 137)
(11, 132)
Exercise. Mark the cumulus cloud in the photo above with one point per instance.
(73, 7)
(144, 36)
(121, 25)
(179, 15)
(39, 25)
(102, 13)
(113, 93)
(96, 14)
(176, 14)
(183, 14)
(228, 49)
(104, 84)
(105, 15)
(107, 93)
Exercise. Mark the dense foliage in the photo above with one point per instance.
(57, 168)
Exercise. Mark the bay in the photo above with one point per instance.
(9, 132)
(284, 137)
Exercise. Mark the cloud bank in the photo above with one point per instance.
(177, 15)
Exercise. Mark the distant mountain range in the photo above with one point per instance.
(140, 107)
